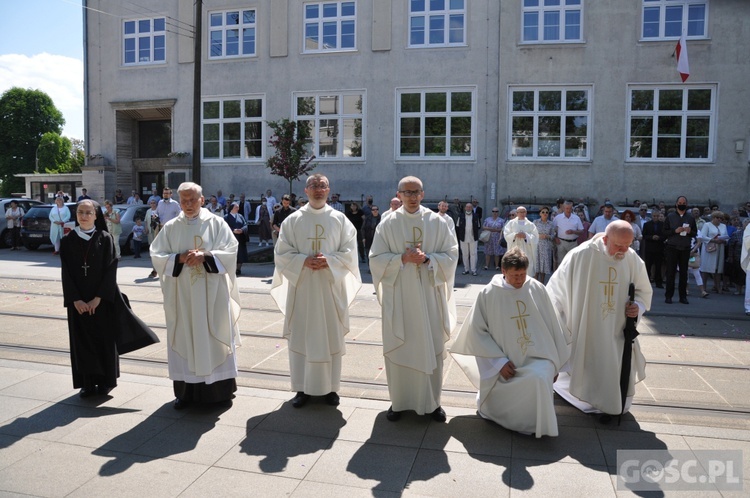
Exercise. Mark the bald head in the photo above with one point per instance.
(521, 212)
(618, 236)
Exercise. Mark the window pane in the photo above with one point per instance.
(311, 36)
(410, 133)
(552, 25)
(311, 11)
(410, 102)
(522, 137)
(231, 139)
(253, 140)
(456, 34)
(129, 50)
(130, 27)
(641, 137)
(144, 49)
(696, 20)
(461, 101)
(576, 100)
(159, 24)
(232, 109)
(253, 108)
(352, 104)
(651, 22)
(530, 26)
(330, 10)
(461, 136)
(305, 130)
(217, 46)
(159, 51)
(233, 18)
(305, 106)
(144, 26)
(417, 31)
(248, 41)
(669, 131)
(329, 105)
(550, 101)
(329, 35)
(437, 29)
(699, 100)
(523, 101)
(697, 140)
(347, 34)
(210, 110)
(417, 5)
(670, 100)
(435, 102)
(642, 100)
(575, 136)
(437, 4)
(673, 21)
(457, 4)
(352, 138)
(347, 9)
(548, 143)
(328, 137)
(248, 16)
(573, 25)
(233, 42)
(211, 141)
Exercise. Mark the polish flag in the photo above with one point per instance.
(682, 58)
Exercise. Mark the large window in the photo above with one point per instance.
(330, 26)
(154, 138)
(144, 41)
(552, 21)
(550, 123)
(437, 23)
(671, 123)
(436, 123)
(668, 19)
(233, 128)
(231, 34)
(331, 123)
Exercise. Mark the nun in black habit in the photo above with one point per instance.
(100, 323)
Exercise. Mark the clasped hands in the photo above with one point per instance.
(193, 257)
(414, 255)
(84, 307)
(316, 262)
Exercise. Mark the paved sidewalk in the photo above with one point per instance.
(132, 443)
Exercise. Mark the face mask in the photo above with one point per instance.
(682, 207)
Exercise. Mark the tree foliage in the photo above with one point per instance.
(54, 153)
(25, 116)
(290, 160)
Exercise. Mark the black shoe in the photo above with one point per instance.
(238, 273)
(684, 301)
(300, 399)
(438, 415)
(464, 273)
(392, 416)
(87, 392)
(668, 300)
(180, 404)
(332, 399)
(103, 390)
(152, 274)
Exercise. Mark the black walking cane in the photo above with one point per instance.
(630, 333)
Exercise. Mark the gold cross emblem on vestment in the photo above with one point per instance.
(319, 232)
(197, 272)
(524, 341)
(416, 234)
(608, 287)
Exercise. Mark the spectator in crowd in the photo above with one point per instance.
(238, 225)
(694, 265)
(368, 229)
(167, 209)
(152, 221)
(229, 202)
(139, 231)
(246, 208)
(394, 205)
(302, 202)
(443, 212)
(600, 222)
(214, 207)
(356, 217)
(335, 204)
(58, 216)
(584, 235)
(467, 231)
(745, 262)
(653, 250)
(280, 215)
(118, 197)
(112, 219)
(629, 216)
(567, 228)
(84, 195)
(60, 193)
(493, 248)
(546, 230)
(699, 221)
(744, 210)
(733, 272)
(477, 208)
(270, 200)
(131, 199)
(367, 208)
(520, 232)
(153, 197)
(714, 238)
(221, 200)
(263, 220)
(679, 229)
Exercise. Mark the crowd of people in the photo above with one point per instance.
(522, 340)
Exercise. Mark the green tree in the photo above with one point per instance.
(77, 156)
(25, 116)
(289, 161)
(53, 153)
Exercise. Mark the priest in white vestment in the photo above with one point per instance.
(413, 262)
(195, 255)
(511, 347)
(522, 233)
(590, 291)
(315, 280)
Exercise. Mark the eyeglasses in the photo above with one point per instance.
(86, 213)
(410, 193)
(495, 211)
(317, 186)
(543, 212)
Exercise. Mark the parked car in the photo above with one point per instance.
(35, 225)
(26, 204)
(128, 213)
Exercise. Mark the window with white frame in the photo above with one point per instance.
(668, 19)
(232, 128)
(436, 123)
(437, 23)
(550, 123)
(231, 34)
(144, 41)
(330, 27)
(331, 123)
(552, 21)
(671, 123)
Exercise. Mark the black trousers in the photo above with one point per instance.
(674, 258)
(654, 260)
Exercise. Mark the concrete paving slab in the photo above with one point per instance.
(274, 453)
(125, 475)
(233, 483)
(613, 440)
(371, 466)
(701, 443)
(246, 412)
(308, 489)
(13, 449)
(447, 474)
(571, 446)
(371, 426)
(12, 407)
(559, 479)
(314, 419)
(51, 421)
(11, 376)
(122, 432)
(189, 441)
(469, 434)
